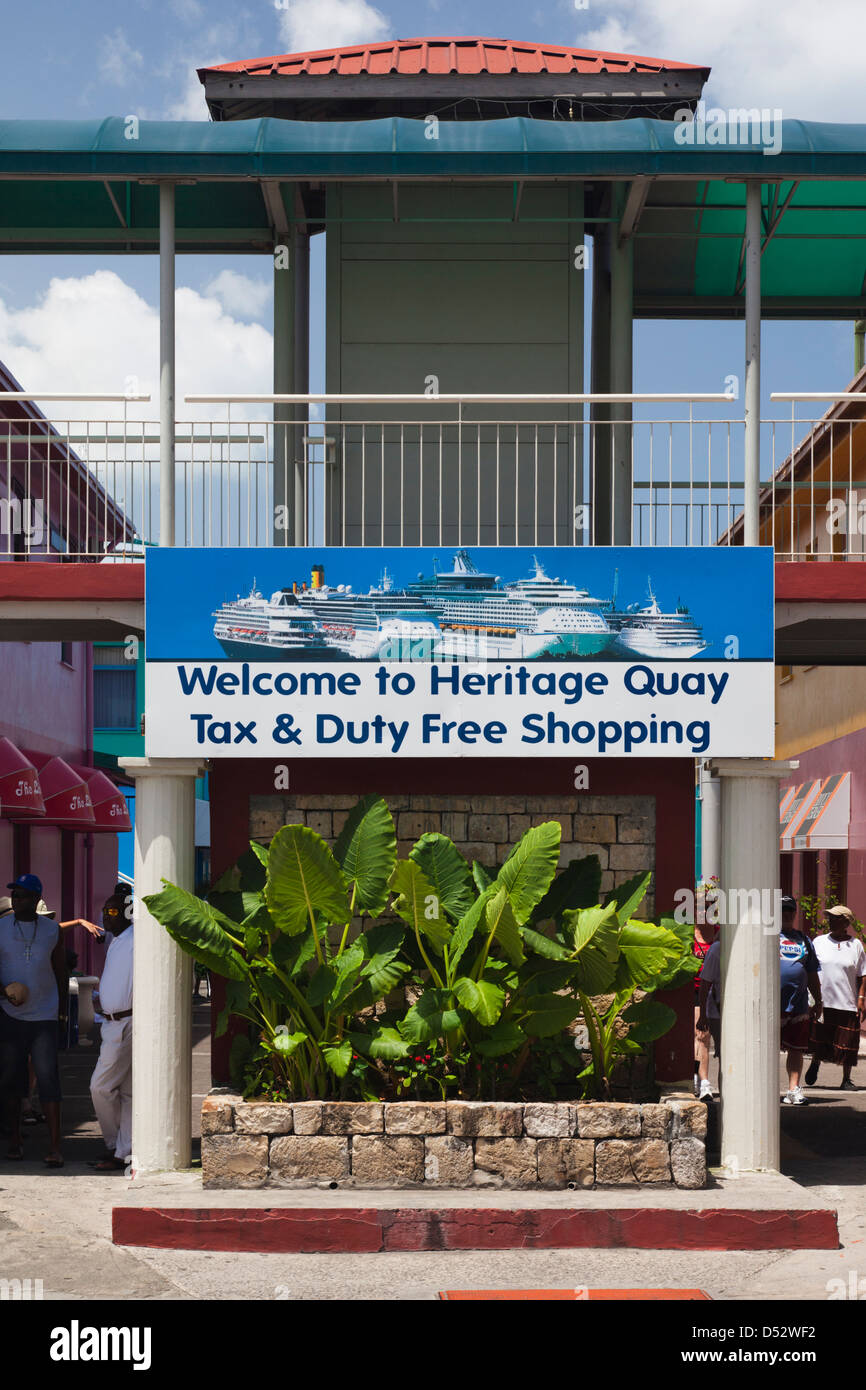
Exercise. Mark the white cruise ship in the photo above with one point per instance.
(651, 633)
(256, 628)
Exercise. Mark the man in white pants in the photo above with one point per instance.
(111, 1082)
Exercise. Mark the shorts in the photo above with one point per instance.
(714, 1027)
(36, 1039)
(795, 1033)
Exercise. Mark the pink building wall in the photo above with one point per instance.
(846, 754)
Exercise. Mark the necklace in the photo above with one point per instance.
(28, 945)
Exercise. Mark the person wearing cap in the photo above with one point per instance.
(843, 979)
(32, 952)
(111, 1082)
(799, 976)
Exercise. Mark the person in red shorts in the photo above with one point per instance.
(798, 972)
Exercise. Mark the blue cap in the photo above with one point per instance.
(29, 882)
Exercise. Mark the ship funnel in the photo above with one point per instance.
(317, 577)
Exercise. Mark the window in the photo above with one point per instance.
(114, 689)
(66, 654)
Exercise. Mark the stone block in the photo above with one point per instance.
(608, 1120)
(636, 830)
(498, 805)
(650, 1161)
(517, 826)
(454, 824)
(320, 821)
(564, 1161)
(488, 827)
(449, 1161)
(513, 1160)
(689, 1119)
(307, 1116)
(613, 1163)
(491, 1119)
(415, 1117)
(689, 1163)
(595, 830)
(309, 1159)
(656, 1121)
(263, 1118)
(266, 816)
(353, 1117)
(325, 801)
(632, 857)
(385, 1160)
(558, 805)
(338, 820)
(231, 1161)
(482, 850)
(607, 882)
(549, 1120)
(411, 825)
(564, 823)
(217, 1115)
(578, 850)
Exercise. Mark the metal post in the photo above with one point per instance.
(752, 393)
(711, 831)
(621, 363)
(166, 365)
(600, 499)
(284, 385)
(301, 256)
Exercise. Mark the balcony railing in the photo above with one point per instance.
(662, 470)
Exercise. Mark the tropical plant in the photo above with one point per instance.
(467, 968)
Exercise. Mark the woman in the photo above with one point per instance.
(705, 935)
(843, 977)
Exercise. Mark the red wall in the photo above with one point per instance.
(846, 754)
(670, 781)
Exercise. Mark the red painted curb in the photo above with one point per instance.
(574, 1295)
(360, 1230)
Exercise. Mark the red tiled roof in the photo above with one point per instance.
(441, 56)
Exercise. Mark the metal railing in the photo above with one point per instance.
(402, 470)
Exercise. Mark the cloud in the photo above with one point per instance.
(190, 105)
(240, 296)
(117, 58)
(795, 56)
(311, 24)
(95, 333)
(188, 11)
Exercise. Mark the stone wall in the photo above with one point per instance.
(621, 830)
(462, 1144)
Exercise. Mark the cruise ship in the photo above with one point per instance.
(255, 628)
(649, 632)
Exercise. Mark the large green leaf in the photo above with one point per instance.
(480, 877)
(579, 885)
(505, 1037)
(527, 872)
(286, 1043)
(303, 879)
(647, 951)
(467, 926)
(366, 851)
(338, 1056)
(544, 945)
(237, 1002)
(199, 929)
(482, 998)
(384, 974)
(594, 934)
(388, 1046)
(628, 896)
(382, 945)
(446, 871)
(431, 1017)
(687, 964)
(418, 904)
(549, 1014)
(321, 983)
(648, 1020)
(501, 927)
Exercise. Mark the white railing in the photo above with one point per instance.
(373, 470)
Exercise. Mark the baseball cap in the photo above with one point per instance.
(789, 904)
(28, 882)
(841, 911)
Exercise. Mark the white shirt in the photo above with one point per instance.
(115, 987)
(842, 962)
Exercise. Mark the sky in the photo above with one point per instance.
(91, 324)
(728, 592)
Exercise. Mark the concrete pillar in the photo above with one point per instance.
(166, 364)
(621, 373)
(600, 439)
(302, 374)
(162, 981)
(750, 963)
(752, 391)
(284, 385)
(711, 825)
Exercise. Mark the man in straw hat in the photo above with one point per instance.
(843, 982)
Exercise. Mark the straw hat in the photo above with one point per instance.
(841, 911)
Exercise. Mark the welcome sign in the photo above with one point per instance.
(463, 652)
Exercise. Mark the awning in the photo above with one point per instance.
(67, 800)
(815, 815)
(20, 792)
(110, 811)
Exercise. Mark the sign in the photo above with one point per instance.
(479, 652)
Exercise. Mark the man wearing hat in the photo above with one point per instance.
(843, 978)
(799, 977)
(32, 953)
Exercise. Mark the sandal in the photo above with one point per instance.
(53, 1161)
(110, 1165)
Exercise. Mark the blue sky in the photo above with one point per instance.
(95, 58)
(729, 592)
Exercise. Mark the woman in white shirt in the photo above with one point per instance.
(843, 977)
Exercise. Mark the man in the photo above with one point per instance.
(798, 971)
(111, 1082)
(32, 952)
(843, 977)
(709, 1006)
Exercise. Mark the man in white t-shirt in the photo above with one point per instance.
(111, 1082)
(843, 986)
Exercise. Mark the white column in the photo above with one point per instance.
(752, 391)
(621, 372)
(750, 963)
(166, 364)
(711, 825)
(162, 981)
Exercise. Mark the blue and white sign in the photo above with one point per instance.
(416, 652)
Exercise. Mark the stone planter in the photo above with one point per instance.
(455, 1143)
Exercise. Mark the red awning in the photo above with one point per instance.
(109, 804)
(20, 791)
(67, 800)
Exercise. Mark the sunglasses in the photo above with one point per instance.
(113, 912)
